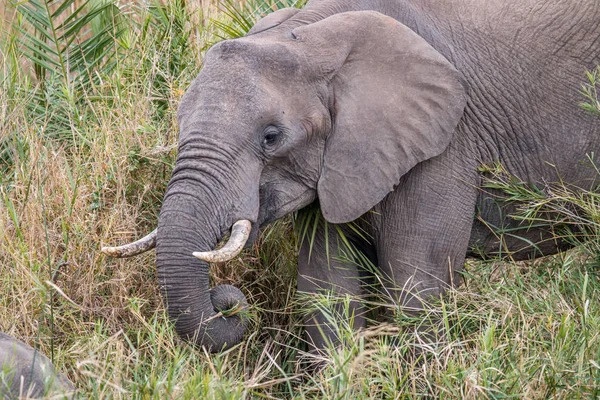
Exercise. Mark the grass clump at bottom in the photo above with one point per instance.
(84, 162)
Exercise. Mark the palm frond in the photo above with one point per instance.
(58, 37)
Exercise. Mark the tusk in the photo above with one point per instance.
(146, 243)
(240, 232)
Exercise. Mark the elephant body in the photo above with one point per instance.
(24, 372)
(382, 112)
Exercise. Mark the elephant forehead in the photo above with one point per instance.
(240, 89)
(262, 55)
(258, 52)
(229, 98)
(243, 84)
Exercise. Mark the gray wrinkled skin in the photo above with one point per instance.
(379, 112)
(26, 373)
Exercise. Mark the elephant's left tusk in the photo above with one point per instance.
(146, 243)
(240, 232)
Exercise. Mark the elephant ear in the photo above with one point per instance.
(396, 103)
(272, 20)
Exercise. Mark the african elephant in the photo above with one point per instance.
(382, 111)
(25, 372)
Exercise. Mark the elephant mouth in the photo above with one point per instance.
(272, 212)
(240, 232)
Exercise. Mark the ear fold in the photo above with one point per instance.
(272, 20)
(397, 102)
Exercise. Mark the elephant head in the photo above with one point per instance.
(336, 110)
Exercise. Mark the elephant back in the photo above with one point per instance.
(25, 372)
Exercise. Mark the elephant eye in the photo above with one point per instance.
(271, 138)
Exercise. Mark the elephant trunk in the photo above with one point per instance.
(212, 318)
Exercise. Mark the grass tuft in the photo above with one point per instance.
(590, 91)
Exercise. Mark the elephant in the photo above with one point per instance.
(25, 372)
(380, 113)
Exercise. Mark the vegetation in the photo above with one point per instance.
(88, 137)
(591, 92)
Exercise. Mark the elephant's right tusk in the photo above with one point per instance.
(146, 243)
(240, 232)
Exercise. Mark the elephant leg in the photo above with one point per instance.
(424, 231)
(322, 272)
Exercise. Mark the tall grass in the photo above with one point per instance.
(86, 149)
(591, 92)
